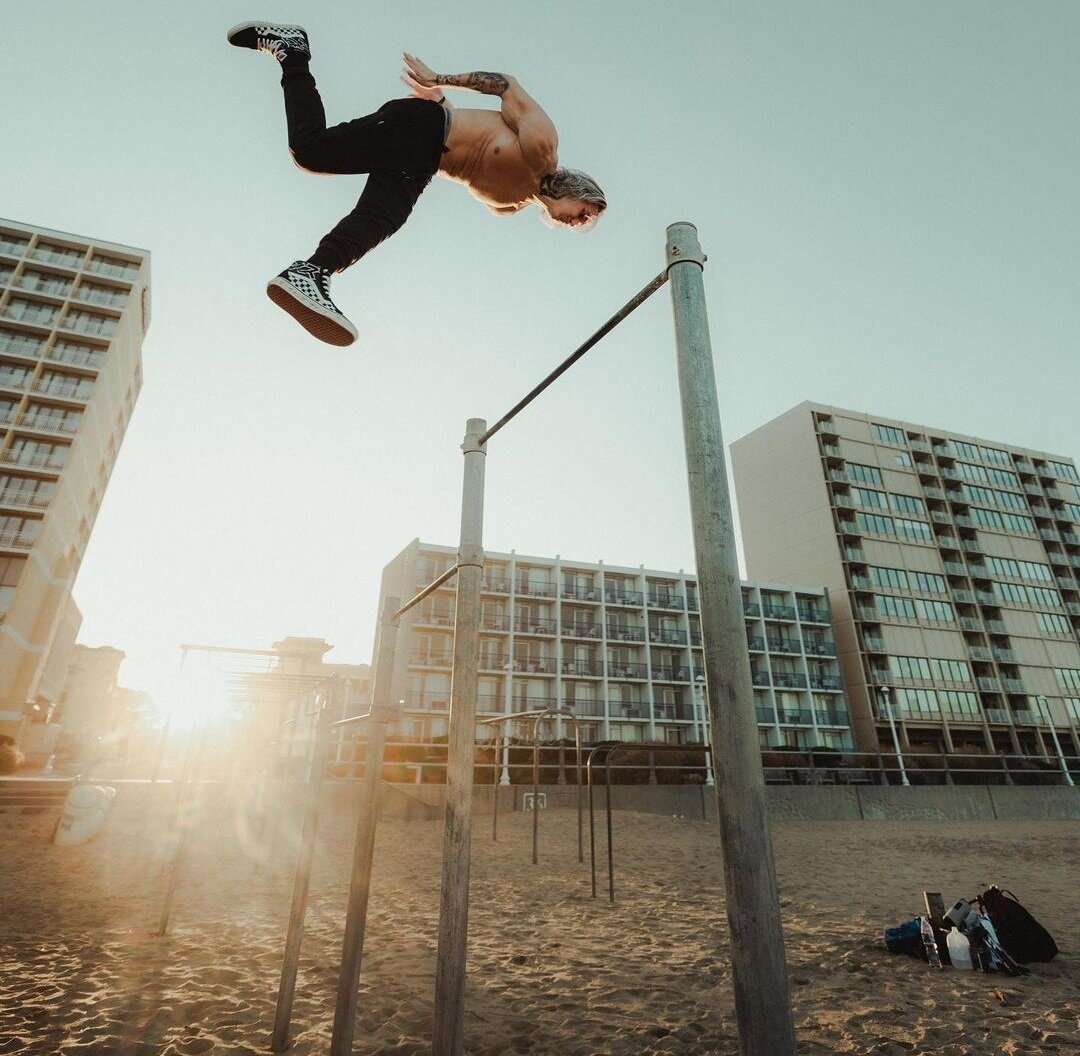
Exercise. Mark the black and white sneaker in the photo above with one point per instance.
(279, 41)
(303, 290)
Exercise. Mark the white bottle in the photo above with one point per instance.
(959, 949)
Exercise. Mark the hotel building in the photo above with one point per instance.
(952, 564)
(619, 646)
(73, 313)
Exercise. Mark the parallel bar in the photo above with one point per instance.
(295, 935)
(449, 1033)
(341, 1041)
(636, 301)
(759, 969)
(429, 589)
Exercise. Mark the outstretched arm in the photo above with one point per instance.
(523, 114)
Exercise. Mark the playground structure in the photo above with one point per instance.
(762, 1000)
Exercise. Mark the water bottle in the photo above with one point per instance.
(959, 949)
(929, 942)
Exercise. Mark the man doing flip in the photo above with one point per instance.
(507, 159)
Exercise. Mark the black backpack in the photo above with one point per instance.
(1023, 937)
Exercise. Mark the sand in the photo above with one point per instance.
(551, 971)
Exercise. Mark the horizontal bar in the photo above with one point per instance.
(638, 299)
(351, 719)
(429, 589)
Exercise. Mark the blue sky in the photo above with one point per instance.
(886, 193)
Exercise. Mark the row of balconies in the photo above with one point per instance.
(31, 350)
(71, 259)
(66, 390)
(576, 668)
(792, 646)
(596, 595)
(797, 680)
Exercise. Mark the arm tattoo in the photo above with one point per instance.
(488, 83)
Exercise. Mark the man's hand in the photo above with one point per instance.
(419, 91)
(423, 75)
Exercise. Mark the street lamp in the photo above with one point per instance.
(885, 692)
(1054, 737)
(701, 721)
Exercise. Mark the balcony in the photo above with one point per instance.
(755, 644)
(50, 460)
(632, 598)
(65, 390)
(940, 517)
(859, 582)
(435, 619)
(964, 595)
(761, 678)
(1026, 718)
(628, 711)
(533, 665)
(1001, 715)
(855, 554)
(785, 645)
(583, 630)
(695, 637)
(1048, 534)
(779, 612)
(955, 568)
(665, 601)
(872, 644)
(831, 718)
(989, 685)
(77, 357)
(15, 540)
(932, 492)
(751, 608)
(627, 670)
(996, 626)
(789, 680)
(538, 625)
(583, 668)
(796, 718)
(574, 593)
(536, 589)
(1013, 685)
(27, 499)
(425, 659)
(765, 715)
(820, 648)
(49, 423)
(979, 652)
(812, 615)
(666, 673)
(668, 637)
(496, 622)
(623, 634)
(493, 585)
(869, 614)
(832, 682)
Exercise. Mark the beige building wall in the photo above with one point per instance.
(953, 565)
(73, 314)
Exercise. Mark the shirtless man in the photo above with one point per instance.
(507, 160)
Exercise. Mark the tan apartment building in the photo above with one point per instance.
(73, 314)
(952, 564)
(619, 646)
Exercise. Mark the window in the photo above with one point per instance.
(987, 518)
(871, 522)
(921, 668)
(1020, 595)
(1072, 511)
(1004, 478)
(1068, 677)
(1016, 523)
(922, 701)
(54, 254)
(929, 582)
(36, 312)
(976, 494)
(13, 245)
(1052, 623)
(970, 472)
(886, 434)
(864, 474)
(903, 608)
(889, 577)
(43, 282)
(912, 529)
(89, 323)
(965, 450)
(958, 702)
(866, 497)
(1031, 570)
(997, 456)
(934, 611)
(1063, 470)
(907, 504)
(1010, 500)
(902, 458)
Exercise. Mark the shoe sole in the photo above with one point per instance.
(252, 25)
(317, 322)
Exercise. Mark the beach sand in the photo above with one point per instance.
(551, 970)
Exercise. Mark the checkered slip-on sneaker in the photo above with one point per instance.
(303, 290)
(279, 41)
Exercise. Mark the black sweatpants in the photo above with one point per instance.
(399, 146)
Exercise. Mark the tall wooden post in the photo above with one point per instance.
(759, 968)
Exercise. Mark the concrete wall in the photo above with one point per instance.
(425, 802)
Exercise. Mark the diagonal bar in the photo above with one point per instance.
(636, 301)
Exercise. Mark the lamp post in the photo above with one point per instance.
(1054, 737)
(701, 721)
(885, 692)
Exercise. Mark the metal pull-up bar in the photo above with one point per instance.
(638, 299)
